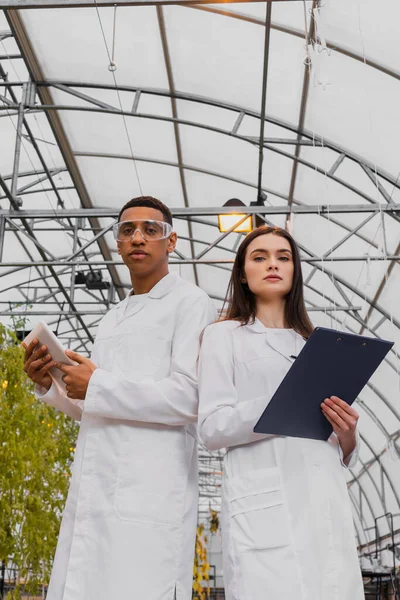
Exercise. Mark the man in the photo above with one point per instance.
(128, 529)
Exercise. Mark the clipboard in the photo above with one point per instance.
(332, 363)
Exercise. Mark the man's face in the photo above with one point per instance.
(140, 256)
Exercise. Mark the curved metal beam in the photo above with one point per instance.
(231, 107)
(313, 167)
(309, 135)
(365, 495)
(394, 437)
(45, 4)
(383, 469)
(345, 284)
(187, 167)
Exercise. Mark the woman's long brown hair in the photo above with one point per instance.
(240, 300)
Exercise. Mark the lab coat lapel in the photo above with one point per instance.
(158, 291)
(122, 307)
(275, 340)
(164, 286)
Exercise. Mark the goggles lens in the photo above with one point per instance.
(124, 231)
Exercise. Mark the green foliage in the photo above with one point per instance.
(36, 452)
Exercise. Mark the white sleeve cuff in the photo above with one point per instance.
(56, 398)
(49, 396)
(352, 458)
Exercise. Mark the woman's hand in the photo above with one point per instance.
(343, 419)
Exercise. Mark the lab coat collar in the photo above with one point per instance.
(161, 288)
(164, 286)
(275, 339)
(256, 327)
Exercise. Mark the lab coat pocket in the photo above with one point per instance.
(152, 474)
(258, 515)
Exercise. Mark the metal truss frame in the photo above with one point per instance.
(271, 144)
(43, 4)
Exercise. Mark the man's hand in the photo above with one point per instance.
(76, 377)
(37, 363)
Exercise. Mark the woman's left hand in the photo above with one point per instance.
(341, 416)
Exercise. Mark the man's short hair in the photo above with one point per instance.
(150, 202)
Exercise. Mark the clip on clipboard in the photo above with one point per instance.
(332, 363)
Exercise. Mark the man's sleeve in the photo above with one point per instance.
(57, 398)
(170, 401)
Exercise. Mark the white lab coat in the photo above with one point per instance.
(286, 519)
(128, 529)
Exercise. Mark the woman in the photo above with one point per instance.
(286, 517)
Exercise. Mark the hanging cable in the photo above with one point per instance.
(111, 62)
(112, 66)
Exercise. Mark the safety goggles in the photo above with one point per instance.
(151, 231)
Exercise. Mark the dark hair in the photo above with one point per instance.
(150, 202)
(241, 300)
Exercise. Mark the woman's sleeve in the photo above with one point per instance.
(349, 461)
(224, 419)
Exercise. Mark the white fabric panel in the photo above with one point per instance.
(111, 183)
(206, 190)
(71, 42)
(316, 188)
(221, 153)
(197, 37)
(277, 171)
(353, 25)
(360, 125)
(106, 133)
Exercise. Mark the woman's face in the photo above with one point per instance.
(269, 267)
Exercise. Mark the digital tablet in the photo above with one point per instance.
(331, 363)
(47, 338)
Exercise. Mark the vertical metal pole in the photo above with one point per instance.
(74, 248)
(111, 295)
(268, 18)
(18, 140)
(2, 235)
(73, 271)
(2, 580)
(383, 490)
